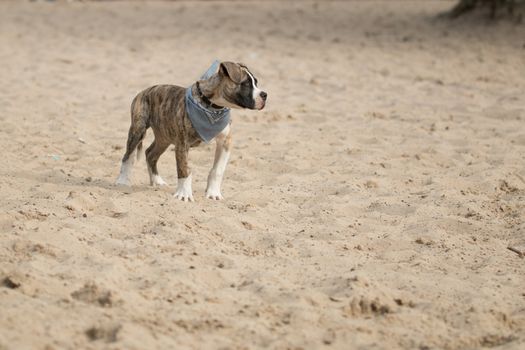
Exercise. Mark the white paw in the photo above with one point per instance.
(184, 191)
(123, 181)
(214, 193)
(156, 180)
(184, 196)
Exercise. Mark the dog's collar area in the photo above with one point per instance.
(207, 121)
(205, 99)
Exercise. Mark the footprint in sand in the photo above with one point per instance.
(15, 280)
(86, 202)
(362, 298)
(11, 282)
(107, 333)
(391, 209)
(92, 294)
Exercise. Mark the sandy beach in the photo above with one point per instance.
(370, 205)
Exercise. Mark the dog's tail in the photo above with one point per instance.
(139, 151)
(139, 115)
(137, 130)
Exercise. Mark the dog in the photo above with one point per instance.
(185, 117)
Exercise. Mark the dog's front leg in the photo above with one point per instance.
(222, 154)
(184, 191)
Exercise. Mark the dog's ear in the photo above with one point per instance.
(231, 70)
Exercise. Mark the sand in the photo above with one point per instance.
(368, 206)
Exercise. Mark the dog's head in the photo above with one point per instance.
(234, 86)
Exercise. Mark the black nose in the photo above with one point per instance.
(264, 95)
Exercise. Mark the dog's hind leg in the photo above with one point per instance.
(153, 153)
(135, 136)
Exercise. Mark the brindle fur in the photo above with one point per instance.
(163, 108)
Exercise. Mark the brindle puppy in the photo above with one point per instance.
(163, 108)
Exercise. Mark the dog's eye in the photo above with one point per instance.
(246, 83)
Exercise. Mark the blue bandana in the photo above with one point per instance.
(207, 121)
